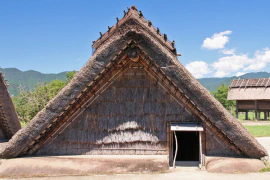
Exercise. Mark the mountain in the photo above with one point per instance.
(28, 79)
(212, 83)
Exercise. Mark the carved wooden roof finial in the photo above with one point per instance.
(134, 8)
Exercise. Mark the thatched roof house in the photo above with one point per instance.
(251, 94)
(133, 96)
(9, 122)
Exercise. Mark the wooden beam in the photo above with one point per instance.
(168, 140)
(236, 110)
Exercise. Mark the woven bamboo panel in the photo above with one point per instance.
(129, 117)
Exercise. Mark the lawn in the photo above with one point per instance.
(259, 131)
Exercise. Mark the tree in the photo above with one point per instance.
(221, 95)
(29, 103)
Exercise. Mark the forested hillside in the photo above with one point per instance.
(212, 83)
(28, 79)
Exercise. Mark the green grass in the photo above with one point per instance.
(266, 169)
(259, 131)
(23, 123)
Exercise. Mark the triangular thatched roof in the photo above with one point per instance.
(118, 46)
(9, 122)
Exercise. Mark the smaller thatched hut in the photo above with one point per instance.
(251, 94)
(9, 122)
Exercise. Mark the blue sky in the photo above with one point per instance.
(215, 38)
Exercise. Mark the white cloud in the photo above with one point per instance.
(241, 63)
(263, 56)
(198, 68)
(228, 51)
(217, 41)
(255, 66)
(228, 64)
(240, 74)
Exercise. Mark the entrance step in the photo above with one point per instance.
(187, 163)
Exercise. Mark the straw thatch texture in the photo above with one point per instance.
(191, 93)
(129, 117)
(9, 122)
(249, 89)
(244, 83)
(250, 93)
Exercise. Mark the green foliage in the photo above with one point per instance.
(259, 131)
(221, 95)
(265, 169)
(69, 75)
(29, 103)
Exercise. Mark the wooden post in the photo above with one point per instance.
(236, 110)
(256, 110)
(246, 115)
(265, 115)
(200, 141)
(168, 141)
(176, 149)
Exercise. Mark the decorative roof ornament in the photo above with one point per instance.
(133, 20)
(140, 14)
(165, 37)
(149, 23)
(158, 30)
(173, 42)
(134, 8)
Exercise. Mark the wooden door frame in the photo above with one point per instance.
(170, 138)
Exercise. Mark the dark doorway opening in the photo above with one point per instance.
(188, 145)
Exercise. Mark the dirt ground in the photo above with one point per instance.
(179, 173)
(255, 123)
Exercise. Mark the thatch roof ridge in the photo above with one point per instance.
(250, 82)
(134, 14)
(9, 120)
(249, 93)
(196, 97)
